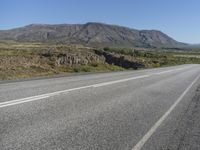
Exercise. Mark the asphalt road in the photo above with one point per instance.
(153, 109)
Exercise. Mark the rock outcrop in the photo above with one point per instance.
(70, 59)
(120, 60)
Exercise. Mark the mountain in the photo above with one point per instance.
(97, 34)
(194, 45)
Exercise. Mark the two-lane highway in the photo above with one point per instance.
(129, 110)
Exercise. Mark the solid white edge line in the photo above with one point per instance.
(146, 137)
(42, 96)
(118, 81)
(164, 72)
(19, 102)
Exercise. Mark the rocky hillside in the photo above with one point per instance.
(93, 34)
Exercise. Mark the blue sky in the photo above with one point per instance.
(178, 18)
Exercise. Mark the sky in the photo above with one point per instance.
(180, 19)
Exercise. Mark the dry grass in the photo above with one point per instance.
(23, 60)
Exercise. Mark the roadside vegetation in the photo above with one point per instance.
(23, 60)
(160, 57)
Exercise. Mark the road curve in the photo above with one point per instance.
(149, 109)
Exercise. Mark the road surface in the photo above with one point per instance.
(153, 109)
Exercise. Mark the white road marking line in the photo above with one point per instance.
(23, 101)
(38, 97)
(180, 68)
(163, 72)
(43, 96)
(118, 81)
(146, 137)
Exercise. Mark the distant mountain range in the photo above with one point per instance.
(95, 34)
